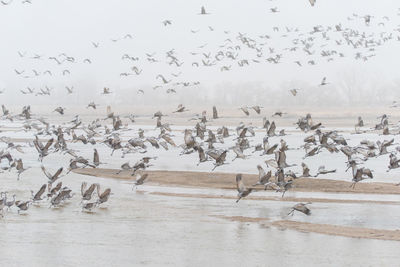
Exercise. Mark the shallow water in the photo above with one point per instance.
(142, 227)
(137, 227)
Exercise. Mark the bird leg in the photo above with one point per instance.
(291, 212)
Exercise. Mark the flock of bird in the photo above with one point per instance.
(301, 47)
(210, 146)
(235, 51)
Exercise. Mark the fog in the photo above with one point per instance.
(61, 28)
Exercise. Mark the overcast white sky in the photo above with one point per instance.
(51, 27)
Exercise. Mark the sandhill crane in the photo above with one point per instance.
(219, 158)
(302, 207)
(243, 191)
(215, 113)
(9, 204)
(322, 170)
(59, 110)
(102, 197)
(245, 110)
(360, 123)
(87, 193)
(5, 110)
(263, 178)
(359, 174)
(190, 141)
(52, 178)
(280, 157)
(181, 108)
(43, 150)
(106, 91)
(294, 91)
(54, 190)
(62, 195)
(22, 206)
(202, 155)
(312, 152)
(89, 206)
(167, 22)
(323, 82)
(96, 159)
(306, 170)
(203, 11)
(140, 179)
(38, 195)
(92, 105)
(20, 167)
(239, 153)
(257, 109)
(394, 162)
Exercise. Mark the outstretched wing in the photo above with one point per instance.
(49, 143)
(239, 183)
(57, 174)
(105, 193)
(83, 188)
(46, 172)
(141, 178)
(96, 158)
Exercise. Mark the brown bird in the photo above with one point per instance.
(302, 208)
(243, 191)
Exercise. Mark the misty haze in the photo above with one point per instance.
(199, 133)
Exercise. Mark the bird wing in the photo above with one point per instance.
(57, 174)
(141, 178)
(96, 159)
(40, 192)
(83, 187)
(49, 143)
(105, 193)
(239, 183)
(222, 157)
(202, 155)
(46, 172)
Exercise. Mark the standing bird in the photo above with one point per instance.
(22, 205)
(20, 167)
(215, 113)
(203, 11)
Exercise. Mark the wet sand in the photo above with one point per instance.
(327, 229)
(227, 181)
